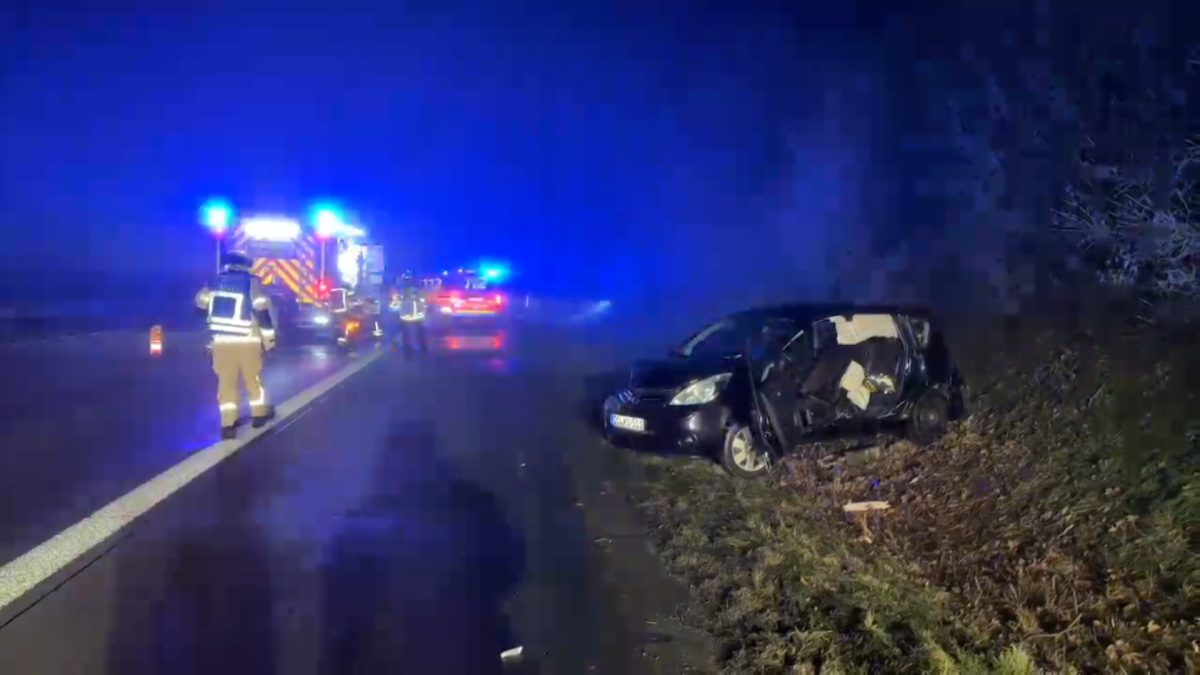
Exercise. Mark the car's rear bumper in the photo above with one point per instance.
(452, 312)
(690, 429)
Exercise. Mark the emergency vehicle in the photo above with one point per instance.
(286, 260)
(302, 268)
(467, 294)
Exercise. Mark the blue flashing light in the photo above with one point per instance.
(216, 215)
(494, 271)
(327, 219)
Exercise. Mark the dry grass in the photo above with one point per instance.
(1057, 527)
(783, 584)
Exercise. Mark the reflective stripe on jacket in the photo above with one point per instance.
(412, 308)
(236, 305)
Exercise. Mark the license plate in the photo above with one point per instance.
(628, 423)
(472, 343)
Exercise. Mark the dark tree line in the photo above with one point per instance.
(1033, 146)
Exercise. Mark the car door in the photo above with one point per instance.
(780, 387)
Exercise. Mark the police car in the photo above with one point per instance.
(467, 295)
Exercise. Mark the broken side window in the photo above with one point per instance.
(824, 335)
(920, 329)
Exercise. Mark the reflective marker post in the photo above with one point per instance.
(156, 340)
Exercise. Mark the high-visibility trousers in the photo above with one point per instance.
(239, 359)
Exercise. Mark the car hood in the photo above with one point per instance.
(674, 373)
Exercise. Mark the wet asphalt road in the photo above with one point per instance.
(85, 419)
(421, 517)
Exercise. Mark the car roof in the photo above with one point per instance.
(810, 312)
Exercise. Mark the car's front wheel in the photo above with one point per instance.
(742, 455)
(930, 418)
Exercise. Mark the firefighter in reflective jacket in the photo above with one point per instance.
(242, 328)
(410, 306)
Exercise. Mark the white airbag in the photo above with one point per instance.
(862, 327)
(853, 382)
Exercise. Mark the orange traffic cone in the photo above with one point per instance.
(156, 340)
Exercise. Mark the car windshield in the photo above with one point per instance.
(731, 336)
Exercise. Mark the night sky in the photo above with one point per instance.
(562, 140)
(597, 143)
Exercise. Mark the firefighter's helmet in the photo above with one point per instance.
(236, 261)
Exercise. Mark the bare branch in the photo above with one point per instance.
(1133, 240)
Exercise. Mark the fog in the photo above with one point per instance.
(707, 160)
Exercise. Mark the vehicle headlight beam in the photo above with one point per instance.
(701, 391)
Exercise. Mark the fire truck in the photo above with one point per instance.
(288, 261)
(316, 277)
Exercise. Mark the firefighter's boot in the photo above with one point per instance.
(261, 420)
(228, 433)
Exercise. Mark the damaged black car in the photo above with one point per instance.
(756, 385)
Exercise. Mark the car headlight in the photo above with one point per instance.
(701, 391)
(321, 319)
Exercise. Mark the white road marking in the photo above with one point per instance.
(297, 418)
(46, 559)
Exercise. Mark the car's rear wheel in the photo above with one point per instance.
(930, 417)
(742, 455)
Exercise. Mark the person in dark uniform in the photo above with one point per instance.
(411, 306)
